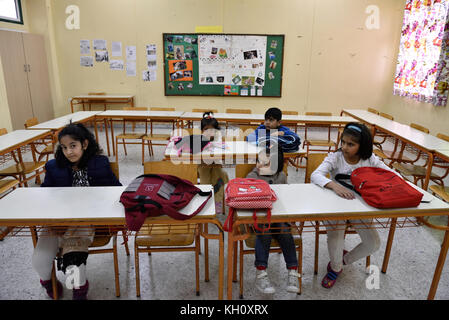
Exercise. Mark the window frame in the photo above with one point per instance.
(19, 12)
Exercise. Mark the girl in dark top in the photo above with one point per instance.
(78, 163)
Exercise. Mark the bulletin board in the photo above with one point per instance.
(243, 65)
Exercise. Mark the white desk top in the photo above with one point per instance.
(216, 151)
(61, 122)
(444, 153)
(18, 137)
(80, 204)
(140, 113)
(261, 117)
(94, 96)
(310, 200)
(426, 141)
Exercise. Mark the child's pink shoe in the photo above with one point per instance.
(49, 287)
(81, 293)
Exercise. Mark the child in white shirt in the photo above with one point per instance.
(356, 151)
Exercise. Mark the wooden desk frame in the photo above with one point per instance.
(103, 99)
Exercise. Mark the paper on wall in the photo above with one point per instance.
(100, 44)
(86, 61)
(85, 46)
(116, 48)
(131, 53)
(131, 68)
(116, 64)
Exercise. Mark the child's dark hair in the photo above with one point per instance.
(78, 132)
(274, 113)
(209, 120)
(360, 134)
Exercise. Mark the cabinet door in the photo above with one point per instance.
(15, 75)
(38, 79)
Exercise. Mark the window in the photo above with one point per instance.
(422, 71)
(11, 11)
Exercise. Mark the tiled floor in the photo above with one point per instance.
(171, 275)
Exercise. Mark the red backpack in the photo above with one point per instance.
(381, 188)
(152, 195)
(247, 193)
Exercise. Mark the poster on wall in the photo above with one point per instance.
(116, 49)
(228, 60)
(85, 46)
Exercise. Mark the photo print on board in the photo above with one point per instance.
(252, 54)
(101, 56)
(86, 61)
(273, 65)
(180, 70)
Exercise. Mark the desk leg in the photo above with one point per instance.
(439, 266)
(428, 172)
(105, 122)
(96, 130)
(112, 137)
(71, 105)
(230, 264)
(389, 243)
(206, 254)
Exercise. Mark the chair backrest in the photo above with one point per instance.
(184, 171)
(31, 122)
(439, 135)
(3, 131)
(242, 169)
(114, 168)
(372, 110)
(162, 109)
(96, 93)
(290, 113)
(246, 111)
(419, 127)
(319, 114)
(386, 115)
(313, 161)
(135, 108)
(205, 110)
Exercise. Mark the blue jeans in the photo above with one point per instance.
(282, 233)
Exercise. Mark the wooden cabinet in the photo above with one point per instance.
(26, 77)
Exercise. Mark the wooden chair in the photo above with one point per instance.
(323, 143)
(407, 167)
(241, 171)
(372, 110)
(47, 142)
(244, 111)
(205, 110)
(244, 130)
(383, 136)
(418, 172)
(124, 136)
(6, 186)
(292, 113)
(168, 238)
(313, 162)
(102, 238)
(19, 171)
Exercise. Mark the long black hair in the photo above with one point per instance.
(209, 120)
(360, 134)
(78, 132)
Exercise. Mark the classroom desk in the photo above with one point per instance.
(106, 99)
(18, 138)
(222, 153)
(231, 118)
(100, 206)
(427, 143)
(114, 115)
(309, 202)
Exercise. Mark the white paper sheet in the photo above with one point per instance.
(85, 46)
(100, 44)
(116, 64)
(131, 68)
(131, 53)
(116, 49)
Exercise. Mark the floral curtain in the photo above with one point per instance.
(422, 72)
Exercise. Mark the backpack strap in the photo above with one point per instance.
(340, 178)
(172, 213)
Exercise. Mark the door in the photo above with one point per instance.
(38, 76)
(15, 74)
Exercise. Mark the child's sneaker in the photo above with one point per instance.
(49, 287)
(263, 283)
(81, 293)
(292, 281)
